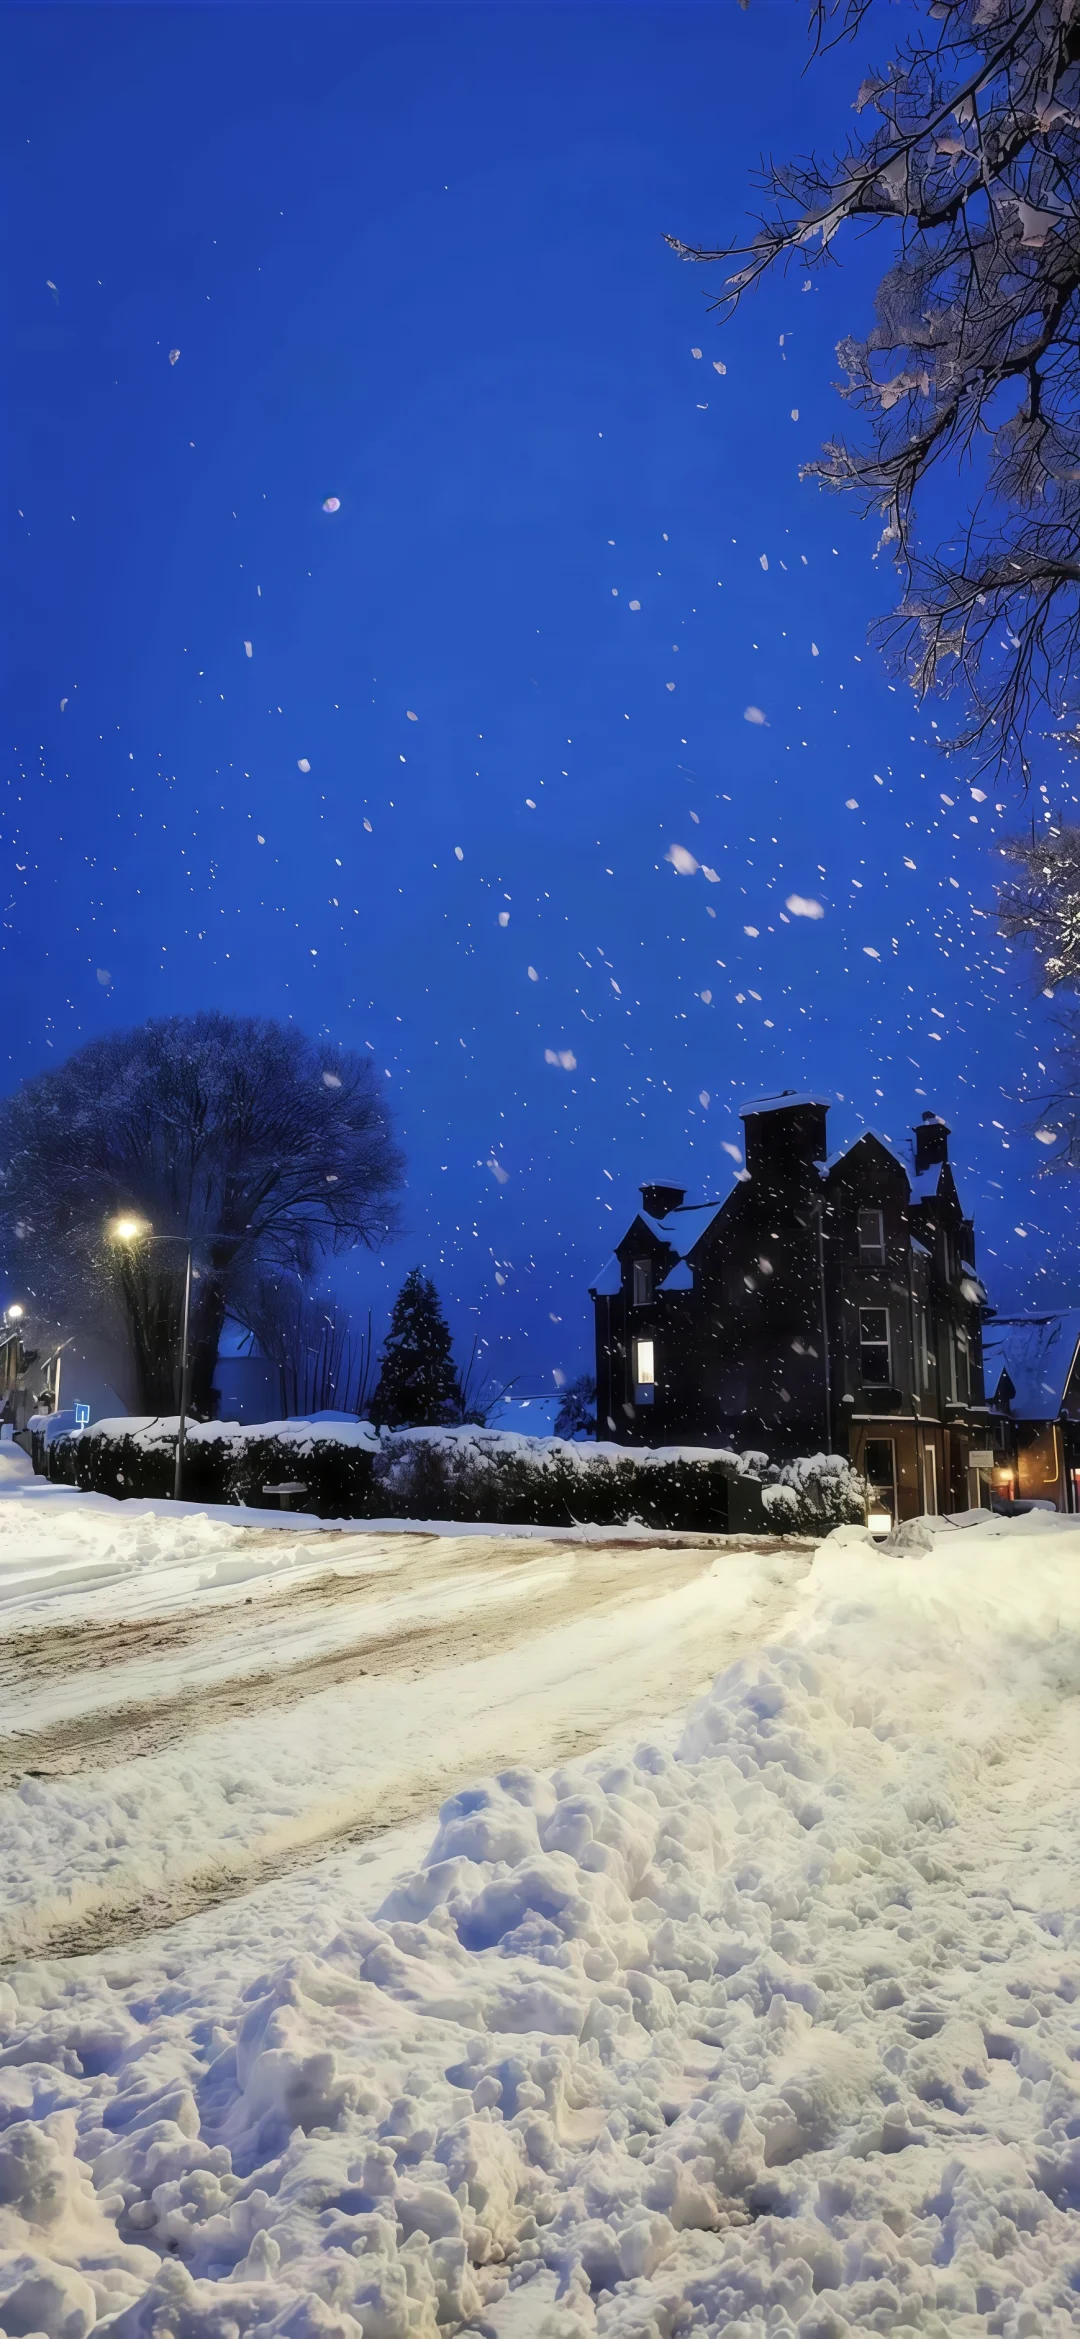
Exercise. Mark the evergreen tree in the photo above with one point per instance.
(418, 1383)
(576, 1416)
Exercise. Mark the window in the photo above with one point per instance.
(874, 1345)
(872, 1237)
(643, 1283)
(923, 1359)
(930, 1477)
(644, 1372)
(961, 1369)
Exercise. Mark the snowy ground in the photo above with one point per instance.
(759, 2020)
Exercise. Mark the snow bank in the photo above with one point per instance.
(773, 2036)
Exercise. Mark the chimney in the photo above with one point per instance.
(657, 1199)
(931, 1143)
(785, 1135)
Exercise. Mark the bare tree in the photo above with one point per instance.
(323, 1362)
(267, 1149)
(967, 154)
(1040, 904)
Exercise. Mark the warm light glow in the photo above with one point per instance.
(13, 1314)
(880, 1522)
(128, 1230)
(646, 1369)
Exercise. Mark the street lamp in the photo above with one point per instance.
(129, 1231)
(15, 1313)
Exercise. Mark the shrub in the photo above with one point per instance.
(350, 1470)
(499, 1475)
(821, 1490)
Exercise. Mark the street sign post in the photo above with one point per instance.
(82, 1416)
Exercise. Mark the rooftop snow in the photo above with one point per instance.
(782, 1104)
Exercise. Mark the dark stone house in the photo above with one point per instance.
(827, 1304)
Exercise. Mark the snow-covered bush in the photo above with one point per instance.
(821, 1490)
(224, 1463)
(351, 1470)
(499, 1475)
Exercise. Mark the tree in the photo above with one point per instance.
(969, 156)
(418, 1384)
(577, 1413)
(1040, 905)
(323, 1363)
(266, 1148)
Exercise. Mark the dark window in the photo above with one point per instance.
(872, 1237)
(874, 1345)
(643, 1283)
(962, 1369)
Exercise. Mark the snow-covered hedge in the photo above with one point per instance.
(223, 1462)
(821, 1490)
(350, 1470)
(498, 1474)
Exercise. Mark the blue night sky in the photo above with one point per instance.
(412, 259)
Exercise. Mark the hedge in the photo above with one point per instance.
(354, 1471)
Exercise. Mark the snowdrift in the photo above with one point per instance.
(773, 2035)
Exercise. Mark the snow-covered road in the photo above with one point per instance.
(187, 1705)
(761, 2023)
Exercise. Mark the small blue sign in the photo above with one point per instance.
(82, 1416)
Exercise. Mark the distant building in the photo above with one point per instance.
(1033, 1382)
(826, 1304)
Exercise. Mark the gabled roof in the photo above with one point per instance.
(681, 1230)
(846, 1151)
(608, 1281)
(1038, 1353)
(681, 1278)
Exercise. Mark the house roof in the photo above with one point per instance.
(681, 1278)
(608, 1281)
(835, 1159)
(1038, 1353)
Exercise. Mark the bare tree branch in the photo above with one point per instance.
(971, 157)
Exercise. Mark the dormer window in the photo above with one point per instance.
(871, 1238)
(642, 1283)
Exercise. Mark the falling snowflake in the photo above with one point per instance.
(332, 503)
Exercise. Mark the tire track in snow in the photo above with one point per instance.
(273, 1768)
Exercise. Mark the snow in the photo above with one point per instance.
(758, 2020)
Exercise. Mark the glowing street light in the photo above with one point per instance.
(15, 1313)
(138, 1230)
(129, 1230)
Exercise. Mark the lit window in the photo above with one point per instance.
(874, 1345)
(644, 1371)
(872, 1237)
(643, 1283)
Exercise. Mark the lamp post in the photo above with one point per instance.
(130, 1231)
